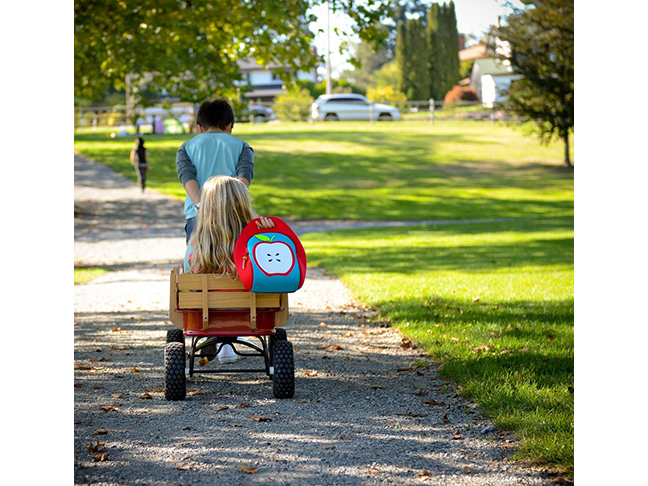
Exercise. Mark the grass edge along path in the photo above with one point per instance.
(492, 304)
(83, 275)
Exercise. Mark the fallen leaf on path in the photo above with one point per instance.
(108, 408)
(101, 457)
(117, 395)
(184, 468)
(337, 347)
(95, 447)
(259, 418)
(433, 402)
(220, 409)
(243, 405)
(135, 370)
(100, 432)
(146, 396)
(193, 391)
(310, 373)
(445, 418)
(248, 469)
(467, 470)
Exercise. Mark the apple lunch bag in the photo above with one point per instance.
(270, 260)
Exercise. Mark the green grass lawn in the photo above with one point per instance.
(385, 171)
(491, 303)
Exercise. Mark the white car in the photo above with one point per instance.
(351, 107)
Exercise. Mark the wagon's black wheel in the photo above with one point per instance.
(175, 336)
(280, 334)
(283, 378)
(175, 382)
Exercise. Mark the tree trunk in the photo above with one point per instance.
(566, 140)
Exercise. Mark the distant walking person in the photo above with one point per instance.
(139, 160)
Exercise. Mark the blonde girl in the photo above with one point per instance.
(225, 209)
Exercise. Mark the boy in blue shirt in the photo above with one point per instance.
(212, 152)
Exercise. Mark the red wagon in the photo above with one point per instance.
(222, 311)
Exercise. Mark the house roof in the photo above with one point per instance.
(494, 67)
(251, 65)
(473, 52)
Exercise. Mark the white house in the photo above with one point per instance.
(491, 78)
(265, 84)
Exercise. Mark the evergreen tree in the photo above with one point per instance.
(402, 57)
(435, 50)
(419, 76)
(452, 46)
(443, 48)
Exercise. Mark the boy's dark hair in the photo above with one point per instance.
(216, 113)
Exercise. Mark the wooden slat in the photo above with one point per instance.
(175, 317)
(205, 301)
(227, 300)
(193, 281)
(253, 309)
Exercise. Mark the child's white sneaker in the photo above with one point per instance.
(227, 354)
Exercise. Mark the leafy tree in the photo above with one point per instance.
(366, 62)
(190, 47)
(387, 75)
(541, 40)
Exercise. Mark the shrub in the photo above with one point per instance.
(294, 105)
(385, 94)
(461, 93)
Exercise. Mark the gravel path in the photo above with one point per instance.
(362, 413)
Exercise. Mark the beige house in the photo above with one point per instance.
(266, 85)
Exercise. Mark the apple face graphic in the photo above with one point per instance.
(273, 257)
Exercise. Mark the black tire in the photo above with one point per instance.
(283, 378)
(385, 117)
(175, 336)
(331, 117)
(280, 334)
(175, 381)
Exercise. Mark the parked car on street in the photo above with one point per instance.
(261, 114)
(351, 107)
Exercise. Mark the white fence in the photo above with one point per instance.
(179, 119)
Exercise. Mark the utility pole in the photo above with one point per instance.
(328, 48)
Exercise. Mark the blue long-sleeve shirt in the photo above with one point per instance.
(210, 154)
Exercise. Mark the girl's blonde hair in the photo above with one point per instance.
(225, 209)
